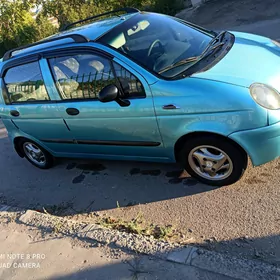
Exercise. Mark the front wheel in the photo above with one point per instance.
(36, 155)
(213, 160)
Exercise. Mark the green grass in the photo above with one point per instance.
(139, 226)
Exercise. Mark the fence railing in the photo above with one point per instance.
(85, 85)
(89, 85)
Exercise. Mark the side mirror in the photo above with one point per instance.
(111, 93)
(108, 93)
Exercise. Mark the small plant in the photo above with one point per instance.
(58, 226)
(118, 205)
(163, 232)
(139, 226)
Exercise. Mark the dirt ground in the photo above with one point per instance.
(229, 13)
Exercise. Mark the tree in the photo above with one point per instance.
(67, 11)
(43, 27)
(18, 26)
(14, 21)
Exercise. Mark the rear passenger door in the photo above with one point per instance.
(105, 128)
(32, 108)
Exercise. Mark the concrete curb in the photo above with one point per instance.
(221, 264)
(224, 264)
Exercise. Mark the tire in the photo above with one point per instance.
(202, 156)
(45, 159)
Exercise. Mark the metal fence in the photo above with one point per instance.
(34, 90)
(85, 85)
(89, 85)
(28, 87)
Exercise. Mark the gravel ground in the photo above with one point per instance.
(56, 226)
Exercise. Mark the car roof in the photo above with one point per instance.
(91, 31)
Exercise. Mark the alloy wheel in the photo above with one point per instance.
(34, 153)
(210, 163)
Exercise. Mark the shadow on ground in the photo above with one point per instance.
(82, 186)
(123, 184)
(142, 268)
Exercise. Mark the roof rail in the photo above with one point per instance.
(127, 10)
(76, 37)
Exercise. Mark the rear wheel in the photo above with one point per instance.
(36, 155)
(213, 160)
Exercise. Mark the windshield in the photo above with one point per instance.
(160, 43)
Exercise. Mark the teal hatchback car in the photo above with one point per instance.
(145, 86)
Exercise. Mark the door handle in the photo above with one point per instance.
(170, 107)
(14, 113)
(72, 111)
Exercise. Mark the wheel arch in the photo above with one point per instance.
(183, 139)
(17, 147)
(18, 139)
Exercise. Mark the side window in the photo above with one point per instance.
(81, 76)
(25, 83)
(131, 86)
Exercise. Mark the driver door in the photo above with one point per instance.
(106, 129)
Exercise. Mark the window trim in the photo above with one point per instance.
(5, 95)
(85, 50)
(75, 50)
(18, 63)
(119, 83)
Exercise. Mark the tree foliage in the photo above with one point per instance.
(67, 11)
(18, 26)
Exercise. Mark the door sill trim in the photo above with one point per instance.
(104, 142)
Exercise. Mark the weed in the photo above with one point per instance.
(139, 226)
(163, 232)
(118, 205)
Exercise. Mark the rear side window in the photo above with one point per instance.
(25, 83)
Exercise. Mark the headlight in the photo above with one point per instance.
(265, 96)
(276, 43)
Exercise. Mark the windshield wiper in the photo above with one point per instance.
(215, 43)
(212, 50)
(209, 51)
(179, 63)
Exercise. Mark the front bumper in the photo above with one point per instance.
(262, 144)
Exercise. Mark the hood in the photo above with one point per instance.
(251, 59)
